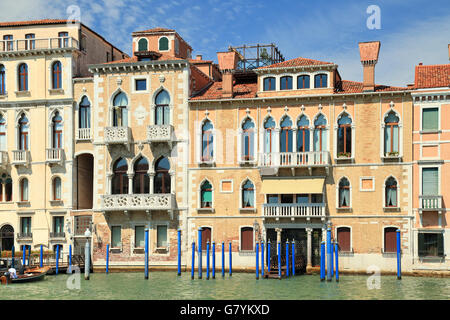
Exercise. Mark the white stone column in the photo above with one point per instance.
(109, 183)
(309, 248)
(151, 176)
(130, 183)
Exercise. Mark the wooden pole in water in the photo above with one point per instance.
(287, 258)
(336, 251)
(293, 257)
(399, 257)
(57, 258)
(179, 252)
(207, 260)
(231, 259)
(262, 259)
(41, 257)
(146, 254)
(107, 258)
(199, 253)
(214, 260)
(193, 260)
(257, 261)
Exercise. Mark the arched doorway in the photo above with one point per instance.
(6, 237)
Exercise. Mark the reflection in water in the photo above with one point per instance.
(166, 285)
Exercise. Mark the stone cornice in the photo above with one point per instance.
(137, 66)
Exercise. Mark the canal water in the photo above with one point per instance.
(167, 285)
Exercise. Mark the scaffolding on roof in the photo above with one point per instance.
(255, 56)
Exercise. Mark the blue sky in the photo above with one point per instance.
(411, 31)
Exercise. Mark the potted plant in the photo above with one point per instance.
(344, 155)
(392, 154)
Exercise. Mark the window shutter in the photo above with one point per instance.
(430, 181)
(430, 119)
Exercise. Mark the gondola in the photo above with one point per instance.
(31, 275)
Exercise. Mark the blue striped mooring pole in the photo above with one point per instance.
(257, 261)
(214, 260)
(193, 260)
(268, 256)
(262, 259)
(329, 253)
(207, 260)
(293, 257)
(24, 255)
(279, 260)
(107, 258)
(70, 259)
(231, 259)
(332, 258)
(29, 255)
(322, 261)
(223, 259)
(399, 257)
(336, 251)
(146, 254)
(287, 258)
(41, 257)
(57, 258)
(199, 253)
(179, 252)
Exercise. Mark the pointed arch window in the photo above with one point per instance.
(286, 135)
(23, 77)
(206, 194)
(286, 83)
(57, 189)
(248, 140)
(320, 133)
(391, 192)
(391, 134)
(269, 136)
(24, 189)
(120, 177)
(143, 45)
(248, 195)
(303, 82)
(303, 134)
(57, 131)
(163, 44)
(57, 75)
(344, 136)
(84, 114)
(162, 110)
(162, 176)
(344, 193)
(3, 146)
(207, 141)
(141, 180)
(120, 112)
(2, 80)
(23, 133)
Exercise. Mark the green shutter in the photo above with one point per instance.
(207, 196)
(430, 179)
(430, 119)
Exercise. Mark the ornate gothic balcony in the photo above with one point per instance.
(117, 135)
(160, 133)
(294, 210)
(20, 157)
(54, 155)
(133, 202)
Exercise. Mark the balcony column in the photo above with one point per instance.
(130, 182)
(109, 176)
(172, 181)
(151, 178)
(308, 248)
(294, 141)
(278, 231)
(311, 156)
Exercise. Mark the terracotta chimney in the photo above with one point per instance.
(368, 52)
(199, 57)
(227, 64)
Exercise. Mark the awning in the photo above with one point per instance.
(292, 186)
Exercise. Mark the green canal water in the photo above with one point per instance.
(167, 285)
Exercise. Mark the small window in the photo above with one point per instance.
(286, 83)
(163, 44)
(23, 77)
(248, 195)
(272, 198)
(24, 189)
(57, 75)
(57, 189)
(206, 195)
(430, 119)
(303, 82)
(139, 236)
(207, 141)
(431, 244)
(63, 40)
(161, 236)
(344, 193)
(141, 84)
(8, 43)
(302, 198)
(390, 239)
(25, 225)
(30, 43)
(430, 181)
(143, 45)
(320, 81)
(116, 237)
(58, 225)
(391, 192)
(343, 239)
(269, 84)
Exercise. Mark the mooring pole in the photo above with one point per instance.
(399, 257)
(193, 260)
(322, 261)
(199, 253)
(70, 259)
(179, 252)
(231, 260)
(29, 255)
(57, 258)
(293, 257)
(223, 259)
(214, 260)
(257, 261)
(329, 253)
(336, 251)
(24, 255)
(41, 257)
(279, 260)
(262, 259)
(87, 259)
(146, 254)
(207, 260)
(332, 258)
(287, 258)
(107, 258)
(268, 256)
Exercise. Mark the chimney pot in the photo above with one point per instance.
(368, 52)
(227, 64)
(199, 57)
(420, 63)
